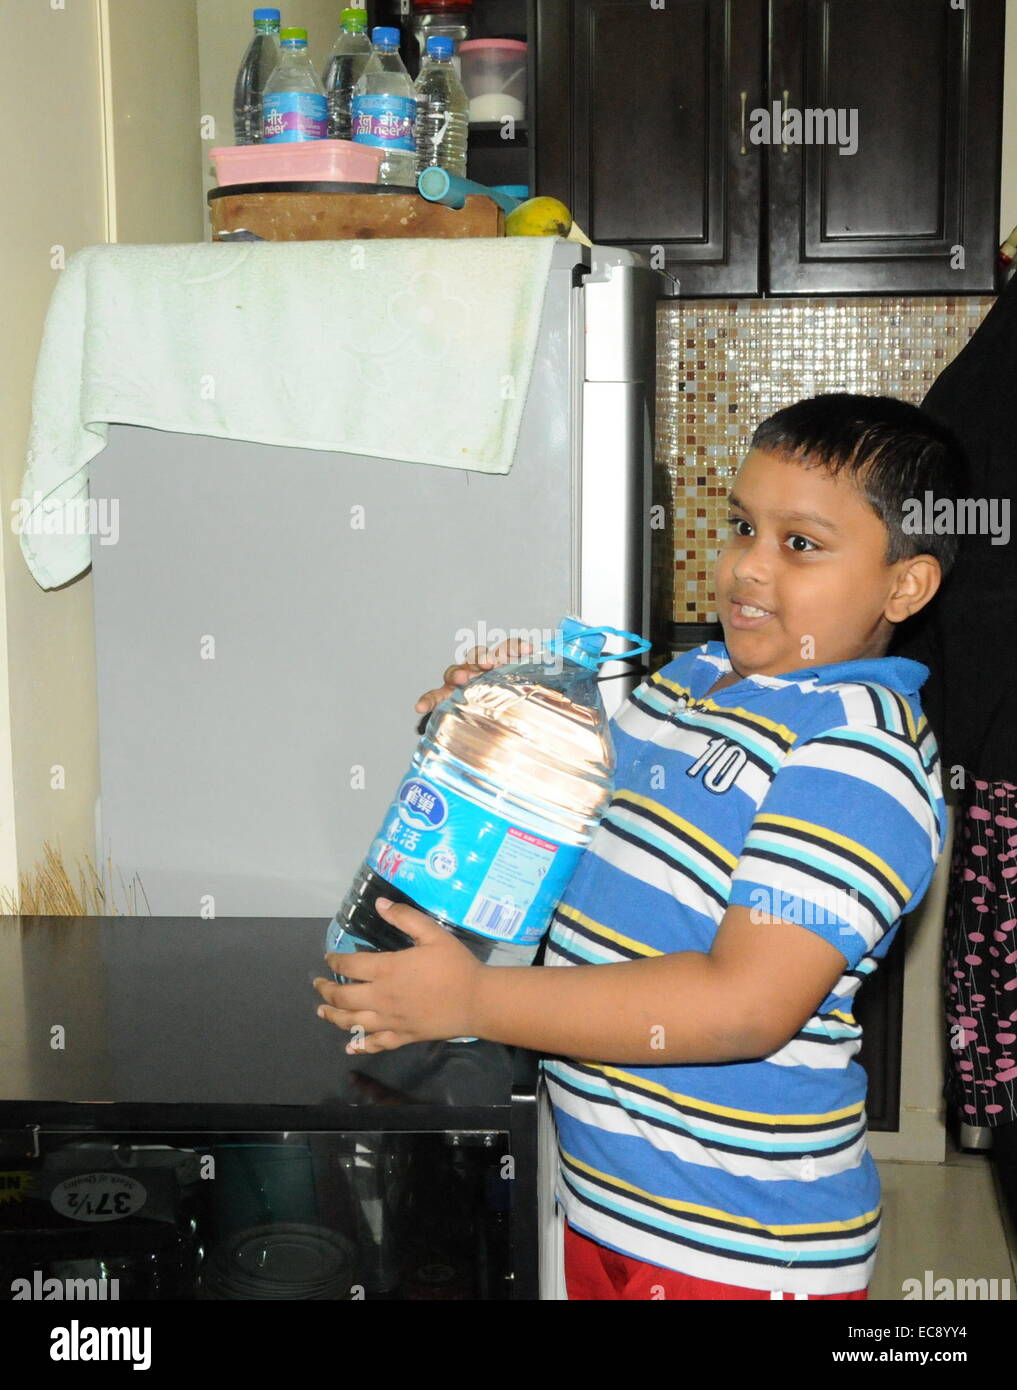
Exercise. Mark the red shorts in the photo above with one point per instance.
(594, 1271)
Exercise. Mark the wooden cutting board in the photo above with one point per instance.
(346, 212)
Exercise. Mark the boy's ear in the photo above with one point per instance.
(918, 580)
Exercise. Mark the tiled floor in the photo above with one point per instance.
(947, 1219)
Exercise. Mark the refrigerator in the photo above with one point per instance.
(258, 657)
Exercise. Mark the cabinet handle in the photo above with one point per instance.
(783, 114)
(745, 97)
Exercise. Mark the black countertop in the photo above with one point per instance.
(165, 1022)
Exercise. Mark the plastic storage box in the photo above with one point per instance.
(313, 161)
(494, 75)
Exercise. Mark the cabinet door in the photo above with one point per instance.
(639, 121)
(915, 208)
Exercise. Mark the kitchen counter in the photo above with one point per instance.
(168, 1018)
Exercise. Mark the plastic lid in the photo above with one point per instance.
(584, 645)
(355, 17)
(440, 46)
(385, 37)
(479, 45)
(293, 36)
(265, 16)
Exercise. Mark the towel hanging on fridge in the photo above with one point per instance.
(419, 350)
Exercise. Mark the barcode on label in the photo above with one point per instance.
(495, 918)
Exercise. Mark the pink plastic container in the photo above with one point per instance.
(311, 161)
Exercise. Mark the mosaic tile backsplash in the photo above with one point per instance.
(725, 365)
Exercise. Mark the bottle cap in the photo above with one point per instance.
(294, 36)
(385, 37)
(353, 19)
(440, 46)
(267, 16)
(584, 645)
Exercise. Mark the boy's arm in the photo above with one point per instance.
(762, 979)
(759, 983)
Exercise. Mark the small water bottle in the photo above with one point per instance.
(346, 63)
(259, 63)
(450, 18)
(442, 111)
(385, 111)
(294, 106)
(503, 793)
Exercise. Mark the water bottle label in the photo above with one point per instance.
(465, 862)
(291, 116)
(385, 121)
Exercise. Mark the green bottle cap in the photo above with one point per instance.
(293, 36)
(354, 20)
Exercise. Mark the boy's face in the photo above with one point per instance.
(807, 549)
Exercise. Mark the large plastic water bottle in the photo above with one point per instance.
(346, 63)
(385, 111)
(294, 106)
(442, 111)
(503, 793)
(258, 64)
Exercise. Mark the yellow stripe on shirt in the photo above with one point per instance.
(748, 1223)
(642, 1083)
(686, 828)
(822, 832)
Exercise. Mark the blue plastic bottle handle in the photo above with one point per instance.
(641, 645)
(572, 632)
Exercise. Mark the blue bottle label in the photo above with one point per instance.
(291, 116)
(464, 862)
(385, 121)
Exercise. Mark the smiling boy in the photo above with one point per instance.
(777, 808)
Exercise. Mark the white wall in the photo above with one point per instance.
(54, 197)
(115, 154)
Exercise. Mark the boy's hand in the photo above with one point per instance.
(477, 660)
(422, 994)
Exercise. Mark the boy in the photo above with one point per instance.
(777, 808)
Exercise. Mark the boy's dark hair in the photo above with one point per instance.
(895, 451)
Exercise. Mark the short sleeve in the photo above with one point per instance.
(846, 839)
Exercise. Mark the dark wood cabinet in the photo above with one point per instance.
(644, 139)
(916, 207)
(647, 117)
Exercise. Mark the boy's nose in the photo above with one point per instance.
(751, 563)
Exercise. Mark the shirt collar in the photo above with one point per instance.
(900, 673)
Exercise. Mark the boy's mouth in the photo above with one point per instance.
(748, 615)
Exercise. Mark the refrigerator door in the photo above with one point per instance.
(269, 615)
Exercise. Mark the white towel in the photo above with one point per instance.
(410, 349)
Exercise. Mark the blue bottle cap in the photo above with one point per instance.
(584, 645)
(385, 37)
(440, 46)
(264, 16)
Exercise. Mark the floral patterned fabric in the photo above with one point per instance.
(980, 956)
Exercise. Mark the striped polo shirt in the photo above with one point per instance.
(815, 797)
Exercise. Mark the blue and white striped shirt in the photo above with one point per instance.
(814, 796)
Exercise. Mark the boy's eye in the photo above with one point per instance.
(735, 522)
(805, 547)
